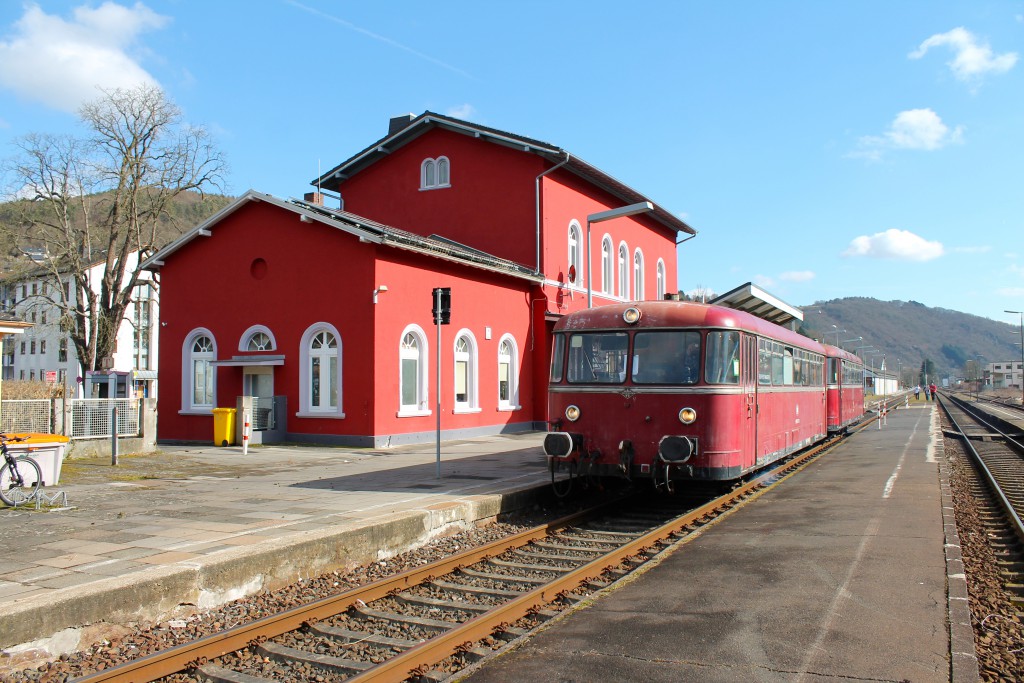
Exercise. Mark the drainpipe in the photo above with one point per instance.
(537, 201)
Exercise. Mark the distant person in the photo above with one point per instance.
(932, 388)
(917, 393)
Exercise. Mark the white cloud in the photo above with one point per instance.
(971, 59)
(61, 63)
(463, 111)
(895, 244)
(797, 276)
(764, 281)
(1011, 291)
(912, 129)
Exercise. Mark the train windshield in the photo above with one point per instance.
(723, 358)
(669, 357)
(598, 358)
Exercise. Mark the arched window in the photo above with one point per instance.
(638, 275)
(508, 374)
(661, 280)
(465, 382)
(257, 338)
(606, 265)
(435, 173)
(412, 372)
(320, 380)
(623, 271)
(198, 375)
(575, 251)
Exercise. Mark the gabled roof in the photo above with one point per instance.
(428, 120)
(363, 228)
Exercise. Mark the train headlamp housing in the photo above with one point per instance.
(687, 416)
(572, 413)
(631, 315)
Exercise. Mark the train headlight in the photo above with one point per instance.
(687, 416)
(631, 315)
(572, 413)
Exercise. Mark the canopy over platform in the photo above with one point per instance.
(752, 299)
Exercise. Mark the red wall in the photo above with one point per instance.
(317, 273)
(313, 273)
(490, 204)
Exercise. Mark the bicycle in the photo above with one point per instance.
(20, 477)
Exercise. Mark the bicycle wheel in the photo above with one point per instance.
(11, 492)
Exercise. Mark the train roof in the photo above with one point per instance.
(690, 314)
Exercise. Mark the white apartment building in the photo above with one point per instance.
(1006, 374)
(45, 352)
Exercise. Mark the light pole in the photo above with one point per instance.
(632, 209)
(836, 331)
(1021, 314)
(847, 341)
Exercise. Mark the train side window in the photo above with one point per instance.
(557, 358)
(777, 364)
(722, 360)
(764, 361)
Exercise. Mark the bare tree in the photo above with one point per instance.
(104, 197)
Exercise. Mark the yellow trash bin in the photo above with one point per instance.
(224, 426)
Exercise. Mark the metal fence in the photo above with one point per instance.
(263, 416)
(85, 418)
(34, 415)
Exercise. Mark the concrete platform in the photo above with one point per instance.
(840, 573)
(203, 526)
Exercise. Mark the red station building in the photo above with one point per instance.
(325, 315)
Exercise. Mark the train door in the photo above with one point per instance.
(748, 379)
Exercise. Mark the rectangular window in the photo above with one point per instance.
(598, 358)
(557, 358)
(722, 364)
(202, 374)
(764, 362)
(409, 379)
(62, 351)
(503, 383)
(315, 382)
(32, 346)
(671, 357)
(461, 381)
(42, 346)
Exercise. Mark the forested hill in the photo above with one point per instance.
(188, 210)
(911, 332)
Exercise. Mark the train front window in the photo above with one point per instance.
(557, 358)
(598, 358)
(671, 357)
(722, 364)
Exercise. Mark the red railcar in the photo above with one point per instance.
(672, 390)
(844, 389)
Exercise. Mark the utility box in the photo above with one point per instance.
(224, 426)
(46, 449)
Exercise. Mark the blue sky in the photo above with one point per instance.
(821, 149)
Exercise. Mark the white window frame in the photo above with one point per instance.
(470, 357)
(435, 173)
(623, 261)
(512, 403)
(606, 264)
(638, 275)
(660, 285)
(243, 341)
(422, 355)
(576, 252)
(188, 406)
(306, 409)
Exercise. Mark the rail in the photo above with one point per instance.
(994, 482)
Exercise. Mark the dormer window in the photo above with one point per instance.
(435, 173)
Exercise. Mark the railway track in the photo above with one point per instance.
(429, 622)
(997, 452)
